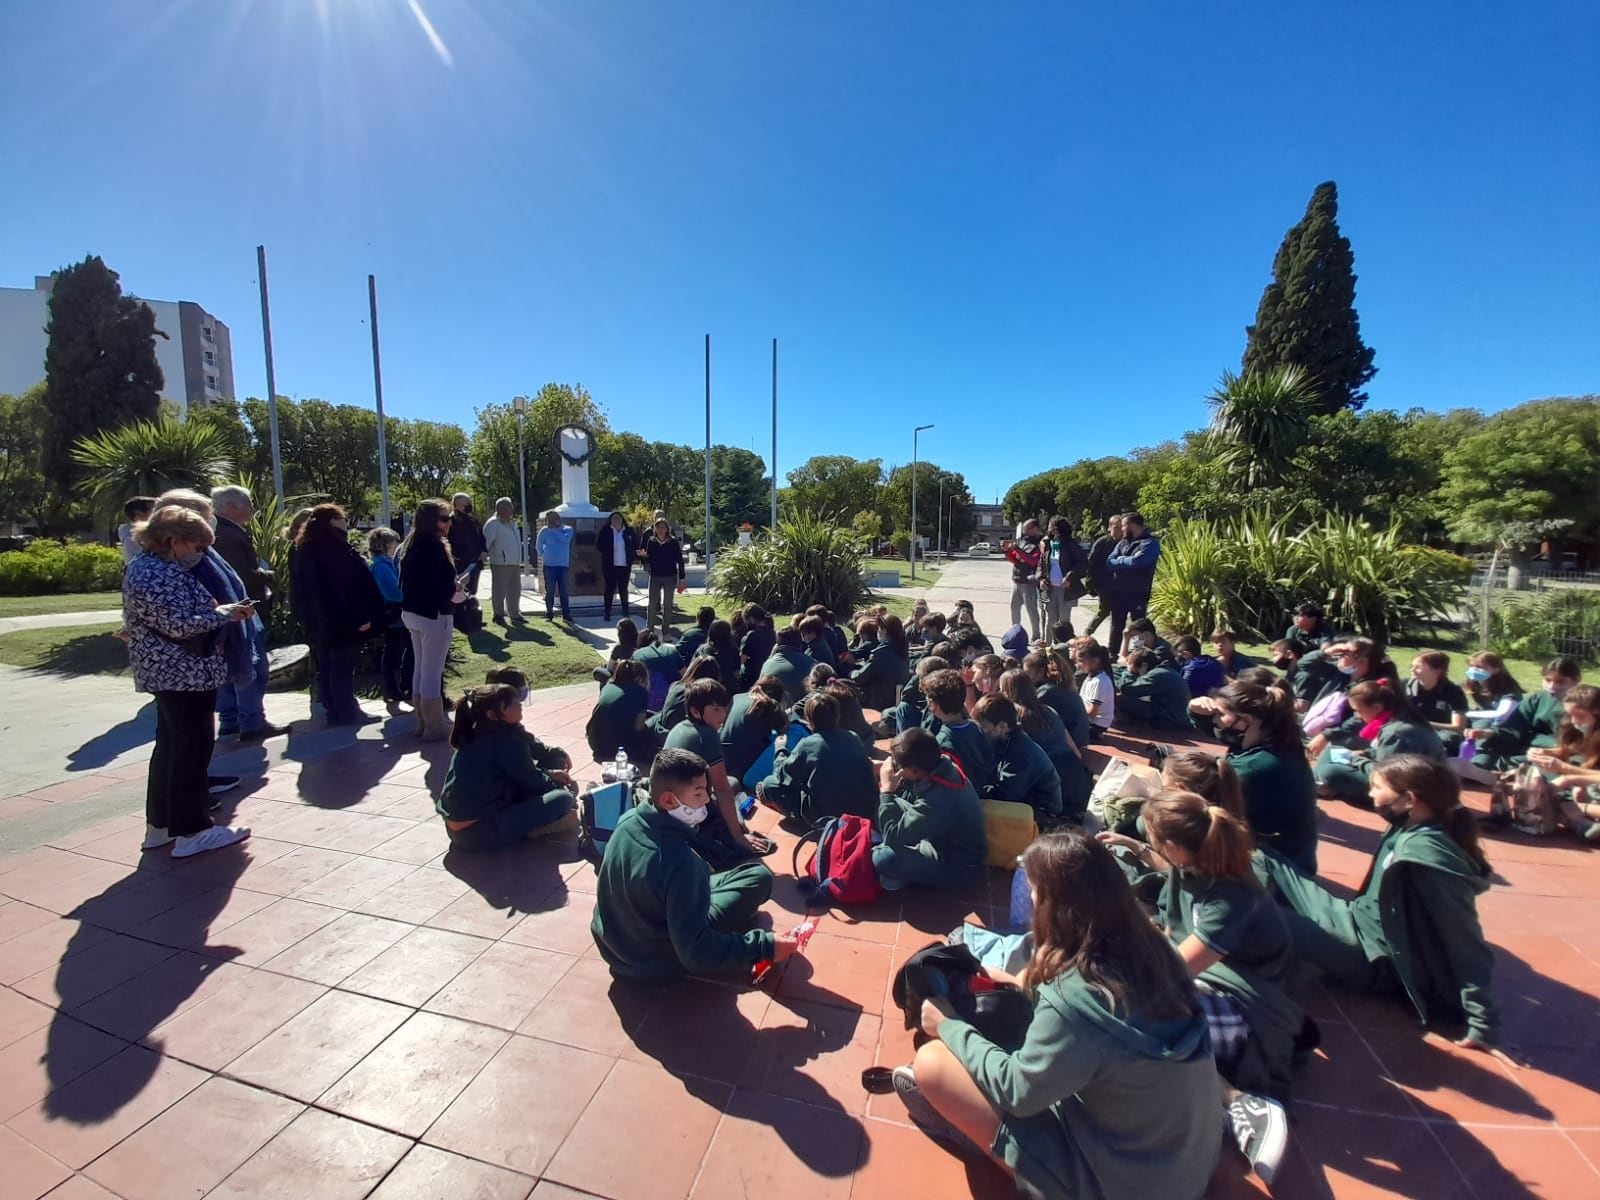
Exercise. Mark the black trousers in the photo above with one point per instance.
(616, 580)
(177, 797)
(1123, 610)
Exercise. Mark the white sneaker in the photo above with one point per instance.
(156, 837)
(214, 838)
(1261, 1129)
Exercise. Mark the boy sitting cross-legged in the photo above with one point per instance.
(659, 910)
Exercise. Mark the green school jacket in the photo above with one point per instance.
(1159, 698)
(827, 774)
(1427, 904)
(1533, 724)
(652, 905)
(943, 811)
(1024, 774)
(966, 744)
(493, 771)
(1095, 1105)
(790, 667)
(1280, 802)
(1069, 707)
(699, 737)
(881, 676)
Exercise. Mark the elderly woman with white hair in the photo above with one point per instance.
(175, 630)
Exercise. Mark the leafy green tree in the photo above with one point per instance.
(958, 501)
(1034, 495)
(741, 491)
(1537, 462)
(24, 492)
(100, 364)
(336, 453)
(239, 443)
(425, 459)
(632, 471)
(1307, 315)
(834, 485)
(1260, 422)
(149, 457)
(492, 452)
(868, 526)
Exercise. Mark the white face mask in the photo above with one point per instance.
(689, 816)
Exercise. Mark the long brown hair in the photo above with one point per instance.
(1436, 785)
(1570, 741)
(1052, 667)
(1500, 682)
(1385, 695)
(429, 522)
(1087, 920)
(1272, 706)
(319, 526)
(1217, 840)
(1018, 688)
(1211, 776)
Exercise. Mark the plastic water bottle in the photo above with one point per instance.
(1469, 747)
(621, 768)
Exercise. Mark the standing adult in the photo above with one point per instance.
(1023, 555)
(502, 541)
(174, 646)
(242, 707)
(429, 594)
(1133, 572)
(339, 604)
(555, 556)
(618, 545)
(466, 542)
(137, 511)
(663, 556)
(1100, 573)
(1062, 566)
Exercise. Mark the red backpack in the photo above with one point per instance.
(840, 870)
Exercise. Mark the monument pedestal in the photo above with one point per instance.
(584, 577)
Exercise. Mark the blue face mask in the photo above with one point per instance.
(1477, 674)
(1347, 669)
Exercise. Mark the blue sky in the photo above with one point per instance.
(1042, 227)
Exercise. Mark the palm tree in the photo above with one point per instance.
(148, 457)
(1259, 422)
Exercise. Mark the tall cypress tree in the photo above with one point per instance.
(1307, 316)
(100, 366)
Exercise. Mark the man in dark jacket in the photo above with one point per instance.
(242, 709)
(1023, 554)
(618, 545)
(467, 546)
(1100, 574)
(1133, 572)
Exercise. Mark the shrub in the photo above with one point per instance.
(44, 567)
(806, 560)
(1541, 625)
(1250, 571)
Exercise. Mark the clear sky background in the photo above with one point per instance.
(1041, 226)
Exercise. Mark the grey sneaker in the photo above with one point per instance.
(1261, 1129)
(927, 1118)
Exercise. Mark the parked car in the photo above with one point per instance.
(979, 550)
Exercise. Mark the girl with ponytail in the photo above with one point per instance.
(1382, 723)
(494, 795)
(1259, 726)
(1412, 932)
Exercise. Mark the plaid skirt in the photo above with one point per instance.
(1229, 1029)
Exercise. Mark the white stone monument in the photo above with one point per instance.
(576, 446)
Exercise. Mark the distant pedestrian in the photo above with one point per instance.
(1023, 555)
(137, 511)
(1133, 573)
(618, 545)
(555, 557)
(397, 662)
(502, 541)
(429, 595)
(340, 605)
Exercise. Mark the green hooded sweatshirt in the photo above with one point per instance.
(827, 774)
(1158, 698)
(943, 810)
(789, 665)
(1533, 724)
(652, 905)
(1418, 907)
(1095, 1105)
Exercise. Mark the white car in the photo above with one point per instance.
(979, 550)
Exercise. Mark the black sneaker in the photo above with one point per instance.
(1261, 1129)
(218, 784)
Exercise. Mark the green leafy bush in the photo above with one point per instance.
(1250, 571)
(44, 567)
(1541, 625)
(806, 560)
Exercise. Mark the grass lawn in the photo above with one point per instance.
(67, 650)
(1524, 672)
(925, 571)
(32, 606)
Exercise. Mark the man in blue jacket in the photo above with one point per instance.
(555, 556)
(1133, 570)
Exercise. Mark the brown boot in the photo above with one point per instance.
(431, 723)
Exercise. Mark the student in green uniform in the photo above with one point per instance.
(494, 795)
(621, 717)
(1043, 725)
(659, 910)
(1154, 695)
(1235, 941)
(1023, 773)
(958, 735)
(851, 719)
(675, 708)
(1437, 699)
(724, 839)
(1573, 764)
(720, 645)
(1142, 635)
(1114, 1093)
(789, 664)
(756, 644)
(689, 644)
(1492, 693)
(1309, 628)
(1266, 752)
(754, 717)
(888, 667)
(827, 774)
(929, 817)
(814, 636)
(1226, 644)
(1382, 724)
(1050, 672)
(1534, 723)
(912, 710)
(1412, 930)
(548, 759)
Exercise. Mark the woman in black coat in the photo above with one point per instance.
(339, 604)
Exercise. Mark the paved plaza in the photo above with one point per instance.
(340, 1009)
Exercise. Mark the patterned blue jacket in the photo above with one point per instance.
(160, 602)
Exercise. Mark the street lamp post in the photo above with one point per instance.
(911, 547)
(950, 517)
(520, 403)
(938, 522)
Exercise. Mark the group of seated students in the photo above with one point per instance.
(1161, 956)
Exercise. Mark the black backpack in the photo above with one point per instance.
(469, 615)
(1001, 1011)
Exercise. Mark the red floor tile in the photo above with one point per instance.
(132, 1009)
(564, 929)
(844, 972)
(1464, 1085)
(1508, 1164)
(48, 1058)
(415, 898)
(814, 1053)
(80, 1188)
(275, 928)
(522, 1106)
(903, 1163)
(20, 1015)
(503, 985)
(18, 918)
(416, 966)
(429, 1174)
(29, 1171)
(780, 1150)
(589, 1010)
(357, 880)
(289, 873)
(311, 1051)
(317, 1155)
(218, 1126)
(214, 1032)
(663, 1157)
(704, 1029)
(74, 976)
(415, 1074)
(1344, 1073)
(338, 949)
(1368, 1156)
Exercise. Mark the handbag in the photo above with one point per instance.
(1001, 1012)
(1533, 801)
